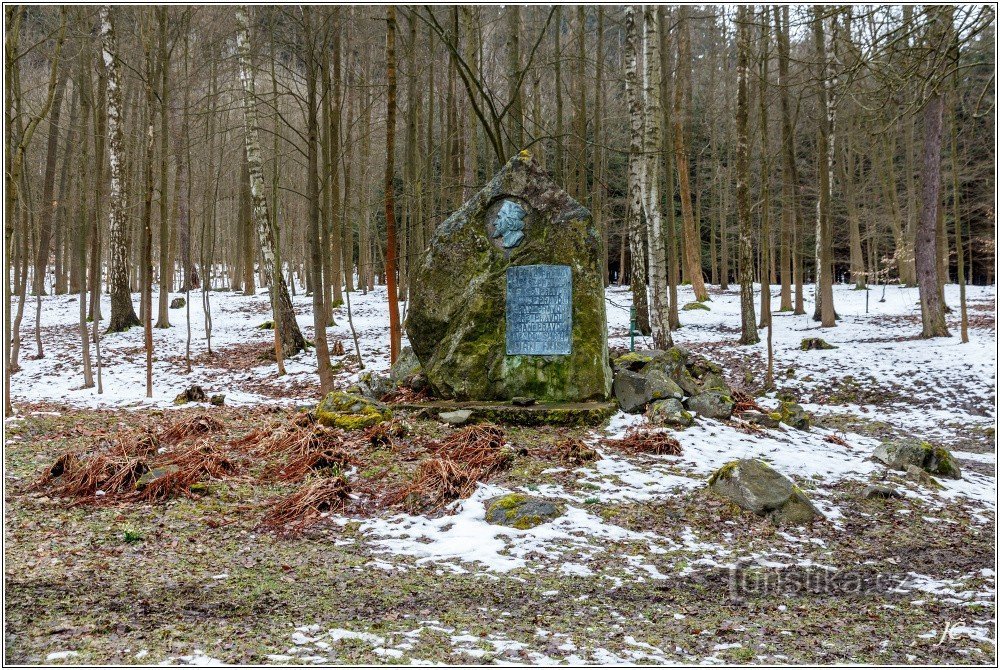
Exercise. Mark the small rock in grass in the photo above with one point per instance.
(457, 417)
(815, 343)
(219, 399)
(669, 412)
(920, 476)
(517, 510)
(793, 415)
(154, 474)
(696, 305)
(177, 303)
(755, 486)
(903, 453)
(522, 401)
(193, 393)
(881, 491)
(767, 420)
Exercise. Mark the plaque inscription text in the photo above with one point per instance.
(539, 310)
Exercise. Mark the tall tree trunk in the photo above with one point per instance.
(926, 249)
(123, 314)
(395, 332)
(824, 312)
(635, 162)
(748, 319)
(166, 269)
(48, 187)
(667, 152)
(692, 235)
(765, 181)
(651, 148)
(781, 22)
(516, 111)
(285, 325)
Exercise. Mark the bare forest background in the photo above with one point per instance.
(161, 149)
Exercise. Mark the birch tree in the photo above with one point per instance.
(635, 160)
(123, 314)
(288, 338)
(658, 320)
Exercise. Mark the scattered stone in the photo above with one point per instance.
(219, 399)
(374, 385)
(712, 405)
(154, 474)
(517, 510)
(177, 303)
(631, 390)
(522, 401)
(919, 475)
(815, 343)
(267, 325)
(881, 491)
(193, 393)
(669, 412)
(350, 411)
(902, 453)
(756, 486)
(696, 305)
(793, 415)
(767, 420)
(713, 381)
(520, 231)
(456, 417)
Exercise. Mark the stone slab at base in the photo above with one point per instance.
(541, 414)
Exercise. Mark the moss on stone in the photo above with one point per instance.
(723, 473)
(349, 411)
(696, 305)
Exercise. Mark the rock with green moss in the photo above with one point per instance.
(669, 412)
(177, 303)
(712, 405)
(456, 322)
(754, 485)
(374, 385)
(350, 411)
(521, 511)
(815, 344)
(696, 305)
(902, 453)
(767, 420)
(793, 415)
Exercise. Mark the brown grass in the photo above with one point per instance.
(647, 442)
(308, 505)
(569, 451)
(465, 457)
(200, 424)
(315, 461)
(744, 402)
(383, 435)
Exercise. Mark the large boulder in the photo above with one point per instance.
(521, 511)
(350, 411)
(903, 453)
(457, 321)
(754, 485)
(712, 405)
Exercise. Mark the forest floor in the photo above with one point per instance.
(643, 566)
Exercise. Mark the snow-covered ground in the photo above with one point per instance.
(880, 344)
(939, 388)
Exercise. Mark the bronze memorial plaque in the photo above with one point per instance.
(539, 310)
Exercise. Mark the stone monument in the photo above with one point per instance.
(508, 298)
